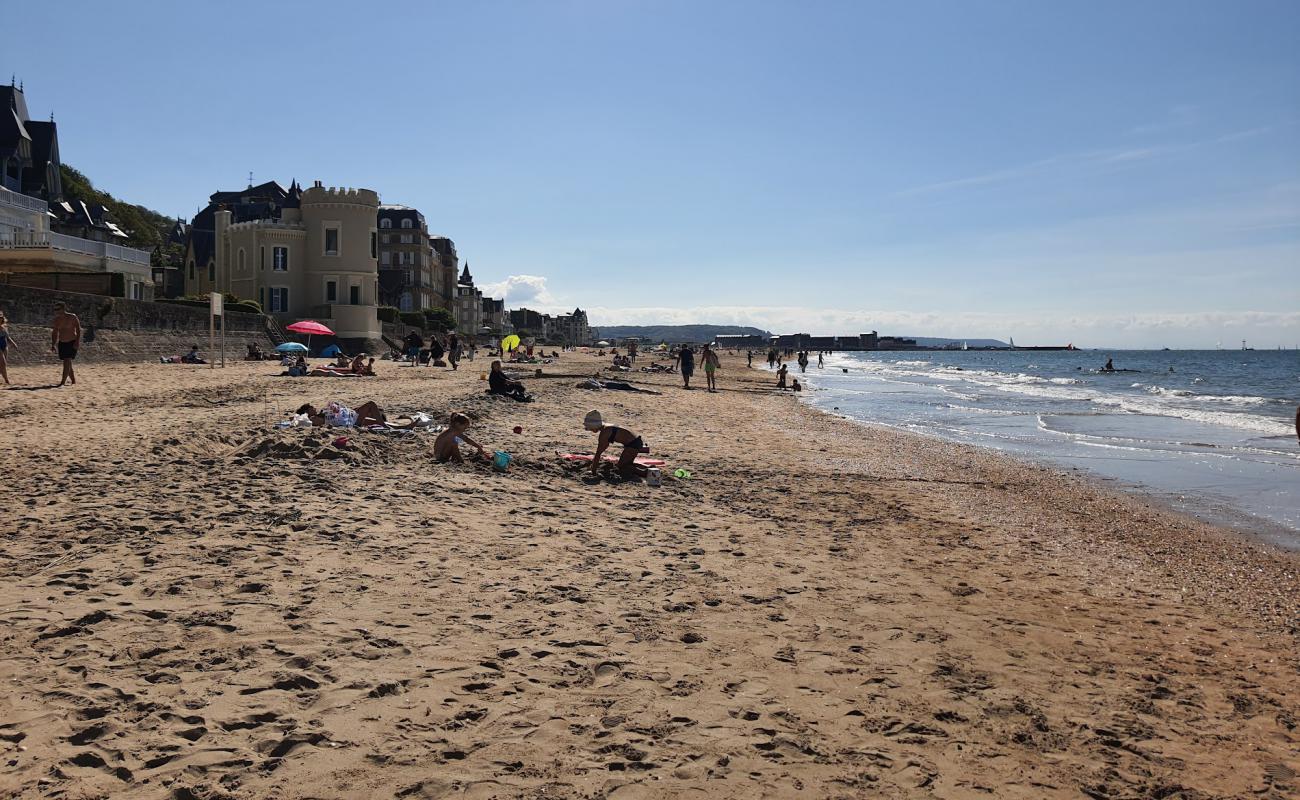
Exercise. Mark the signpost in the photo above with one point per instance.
(216, 309)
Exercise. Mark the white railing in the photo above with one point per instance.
(23, 201)
(73, 244)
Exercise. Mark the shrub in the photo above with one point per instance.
(388, 314)
(439, 319)
(413, 318)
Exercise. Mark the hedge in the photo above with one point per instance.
(388, 314)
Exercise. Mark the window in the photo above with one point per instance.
(212, 272)
(241, 259)
(374, 246)
(261, 259)
(385, 223)
(354, 295)
(280, 259)
(406, 238)
(386, 238)
(331, 291)
(406, 303)
(384, 258)
(406, 223)
(279, 299)
(191, 270)
(331, 241)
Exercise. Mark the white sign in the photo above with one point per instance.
(215, 298)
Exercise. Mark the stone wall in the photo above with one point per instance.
(116, 329)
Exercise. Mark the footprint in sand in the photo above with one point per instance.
(606, 673)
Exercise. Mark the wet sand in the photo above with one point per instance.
(198, 606)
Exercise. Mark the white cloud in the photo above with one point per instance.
(521, 290)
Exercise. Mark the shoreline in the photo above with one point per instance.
(1259, 530)
(1166, 482)
(826, 608)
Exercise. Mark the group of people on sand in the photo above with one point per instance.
(448, 347)
(65, 340)
(684, 360)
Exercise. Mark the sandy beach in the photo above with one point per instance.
(196, 605)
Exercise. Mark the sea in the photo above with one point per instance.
(1210, 433)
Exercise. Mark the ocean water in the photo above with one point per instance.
(1210, 432)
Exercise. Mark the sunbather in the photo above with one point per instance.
(447, 446)
(611, 435)
(340, 416)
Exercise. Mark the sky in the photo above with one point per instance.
(1110, 174)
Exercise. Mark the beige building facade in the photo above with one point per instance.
(317, 259)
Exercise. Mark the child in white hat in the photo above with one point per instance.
(613, 434)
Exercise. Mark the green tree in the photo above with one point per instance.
(145, 229)
(439, 319)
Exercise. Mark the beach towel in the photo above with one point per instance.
(642, 460)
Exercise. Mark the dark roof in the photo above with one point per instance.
(12, 97)
(204, 243)
(12, 132)
(266, 191)
(45, 152)
(294, 197)
(399, 213)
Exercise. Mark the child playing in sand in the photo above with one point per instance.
(447, 446)
(612, 434)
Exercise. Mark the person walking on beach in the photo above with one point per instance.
(6, 339)
(749, 358)
(780, 377)
(821, 362)
(771, 358)
(453, 352)
(65, 339)
(711, 363)
(686, 364)
(414, 343)
(803, 360)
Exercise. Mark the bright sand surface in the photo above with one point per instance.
(193, 607)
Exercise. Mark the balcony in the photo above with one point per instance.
(23, 202)
(41, 240)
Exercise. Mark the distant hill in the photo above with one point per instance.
(930, 341)
(674, 333)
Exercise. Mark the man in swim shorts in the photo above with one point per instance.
(686, 364)
(65, 340)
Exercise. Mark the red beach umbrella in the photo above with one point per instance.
(310, 328)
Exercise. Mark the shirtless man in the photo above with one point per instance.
(65, 339)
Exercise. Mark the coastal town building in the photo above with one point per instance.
(525, 321)
(301, 253)
(444, 250)
(409, 268)
(571, 329)
(467, 305)
(45, 240)
(495, 320)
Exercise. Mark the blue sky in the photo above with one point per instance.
(1112, 174)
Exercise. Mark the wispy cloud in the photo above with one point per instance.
(1083, 159)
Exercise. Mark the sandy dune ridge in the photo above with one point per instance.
(198, 606)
